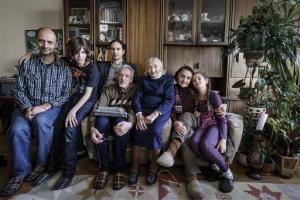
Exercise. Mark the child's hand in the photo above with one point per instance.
(141, 122)
(24, 58)
(71, 120)
(221, 110)
(96, 136)
(180, 128)
(222, 146)
(197, 114)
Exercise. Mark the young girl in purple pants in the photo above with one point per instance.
(209, 140)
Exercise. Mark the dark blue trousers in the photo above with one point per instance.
(65, 142)
(105, 127)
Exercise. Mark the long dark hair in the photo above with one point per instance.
(74, 45)
(208, 85)
(117, 41)
(184, 67)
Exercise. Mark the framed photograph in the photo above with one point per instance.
(31, 43)
(79, 16)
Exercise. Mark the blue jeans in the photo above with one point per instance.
(105, 126)
(72, 137)
(20, 137)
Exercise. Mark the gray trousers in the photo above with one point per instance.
(190, 159)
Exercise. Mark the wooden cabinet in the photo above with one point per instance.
(110, 25)
(196, 22)
(195, 34)
(99, 21)
(79, 19)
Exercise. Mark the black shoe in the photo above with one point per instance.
(226, 185)
(254, 174)
(212, 175)
(133, 178)
(42, 178)
(62, 183)
(151, 178)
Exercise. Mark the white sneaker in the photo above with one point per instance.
(166, 159)
(194, 189)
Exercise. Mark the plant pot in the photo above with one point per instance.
(254, 57)
(252, 112)
(267, 168)
(286, 166)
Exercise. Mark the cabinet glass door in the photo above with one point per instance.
(179, 21)
(212, 21)
(79, 19)
(110, 21)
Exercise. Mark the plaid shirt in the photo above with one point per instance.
(39, 83)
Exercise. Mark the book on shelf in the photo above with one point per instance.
(110, 13)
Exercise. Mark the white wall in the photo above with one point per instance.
(16, 16)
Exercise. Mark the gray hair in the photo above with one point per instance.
(125, 66)
(157, 61)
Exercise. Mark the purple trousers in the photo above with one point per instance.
(203, 143)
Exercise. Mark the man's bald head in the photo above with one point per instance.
(46, 30)
(46, 41)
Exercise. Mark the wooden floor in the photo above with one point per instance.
(89, 167)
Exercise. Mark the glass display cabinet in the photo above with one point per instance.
(98, 21)
(212, 21)
(195, 22)
(78, 19)
(180, 26)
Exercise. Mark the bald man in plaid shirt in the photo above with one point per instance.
(43, 86)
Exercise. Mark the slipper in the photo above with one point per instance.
(12, 186)
(36, 172)
(100, 180)
(119, 181)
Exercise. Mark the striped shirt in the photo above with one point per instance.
(112, 75)
(39, 83)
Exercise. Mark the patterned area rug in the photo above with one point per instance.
(168, 187)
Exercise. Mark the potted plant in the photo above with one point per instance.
(285, 123)
(258, 93)
(270, 30)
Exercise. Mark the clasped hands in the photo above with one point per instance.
(141, 121)
(33, 111)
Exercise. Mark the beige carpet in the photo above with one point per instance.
(167, 188)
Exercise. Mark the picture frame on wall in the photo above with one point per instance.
(31, 43)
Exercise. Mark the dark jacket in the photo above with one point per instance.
(104, 67)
